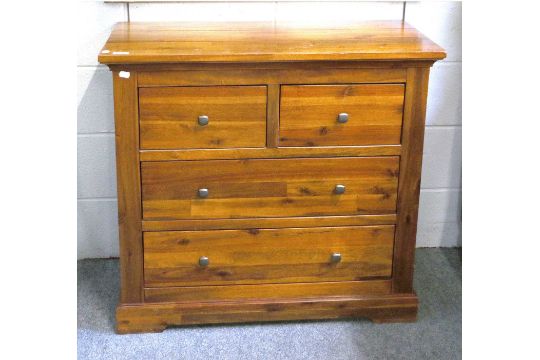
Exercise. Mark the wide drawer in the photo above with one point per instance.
(371, 114)
(189, 258)
(202, 117)
(217, 189)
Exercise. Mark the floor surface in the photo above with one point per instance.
(436, 334)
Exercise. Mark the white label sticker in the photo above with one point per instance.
(124, 74)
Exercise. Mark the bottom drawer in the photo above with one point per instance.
(257, 256)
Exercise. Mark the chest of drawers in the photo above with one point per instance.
(267, 172)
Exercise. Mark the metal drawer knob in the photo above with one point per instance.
(203, 261)
(203, 120)
(339, 189)
(343, 118)
(335, 258)
(203, 193)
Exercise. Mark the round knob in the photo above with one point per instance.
(335, 258)
(203, 120)
(203, 193)
(204, 261)
(343, 118)
(339, 189)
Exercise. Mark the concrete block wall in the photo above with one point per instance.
(440, 200)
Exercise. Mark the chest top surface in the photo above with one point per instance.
(149, 42)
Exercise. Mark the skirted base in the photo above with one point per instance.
(155, 317)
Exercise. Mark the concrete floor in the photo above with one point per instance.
(436, 334)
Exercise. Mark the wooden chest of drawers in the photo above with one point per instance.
(267, 173)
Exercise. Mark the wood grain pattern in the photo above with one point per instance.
(129, 188)
(294, 73)
(308, 114)
(271, 162)
(267, 255)
(267, 291)
(269, 153)
(267, 223)
(156, 317)
(409, 181)
(272, 117)
(269, 187)
(185, 42)
(169, 117)
(393, 71)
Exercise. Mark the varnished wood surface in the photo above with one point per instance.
(308, 114)
(264, 73)
(267, 291)
(271, 220)
(269, 187)
(409, 180)
(254, 42)
(267, 255)
(169, 117)
(270, 153)
(267, 223)
(388, 70)
(156, 317)
(129, 187)
(272, 117)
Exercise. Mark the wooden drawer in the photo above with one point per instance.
(169, 117)
(309, 114)
(267, 255)
(269, 187)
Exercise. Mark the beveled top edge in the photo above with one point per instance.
(174, 42)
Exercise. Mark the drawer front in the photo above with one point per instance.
(177, 258)
(169, 117)
(371, 115)
(269, 187)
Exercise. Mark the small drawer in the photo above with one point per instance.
(202, 117)
(226, 257)
(334, 115)
(221, 189)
